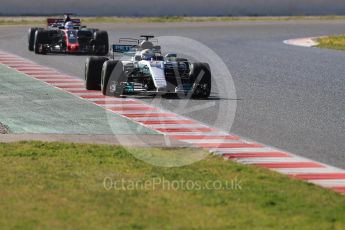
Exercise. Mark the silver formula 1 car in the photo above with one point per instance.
(146, 72)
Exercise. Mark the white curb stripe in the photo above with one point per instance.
(328, 183)
(304, 42)
(143, 119)
(221, 151)
(175, 126)
(197, 133)
(263, 160)
(308, 170)
(200, 141)
(61, 87)
(117, 105)
(84, 94)
(66, 81)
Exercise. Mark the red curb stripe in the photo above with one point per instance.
(15, 62)
(80, 91)
(182, 130)
(291, 165)
(95, 96)
(64, 81)
(319, 176)
(150, 115)
(23, 65)
(6, 56)
(165, 122)
(55, 76)
(69, 86)
(229, 145)
(200, 137)
(52, 77)
(40, 73)
(10, 59)
(256, 154)
(118, 103)
(132, 108)
(28, 69)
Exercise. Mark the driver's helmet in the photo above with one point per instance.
(69, 25)
(147, 54)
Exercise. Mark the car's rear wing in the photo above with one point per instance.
(123, 49)
(120, 48)
(52, 21)
(129, 46)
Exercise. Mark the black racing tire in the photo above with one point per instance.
(101, 43)
(31, 37)
(41, 38)
(93, 70)
(201, 79)
(112, 72)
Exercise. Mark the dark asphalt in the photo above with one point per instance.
(287, 97)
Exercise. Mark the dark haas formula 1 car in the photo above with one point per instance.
(62, 36)
(147, 72)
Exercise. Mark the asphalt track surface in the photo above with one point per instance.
(287, 97)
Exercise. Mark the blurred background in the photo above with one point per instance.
(174, 7)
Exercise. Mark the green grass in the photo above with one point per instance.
(167, 19)
(60, 186)
(332, 42)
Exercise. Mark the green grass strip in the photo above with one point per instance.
(74, 186)
(332, 42)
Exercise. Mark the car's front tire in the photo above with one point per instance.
(93, 70)
(31, 38)
(41, 38)
(201, 80)
(113, 78)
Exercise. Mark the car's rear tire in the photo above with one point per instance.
(93, 70)
(85, 38)
(113, 77)
(101, 43)
(31, 38)
(201, 79)
(41, 38)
